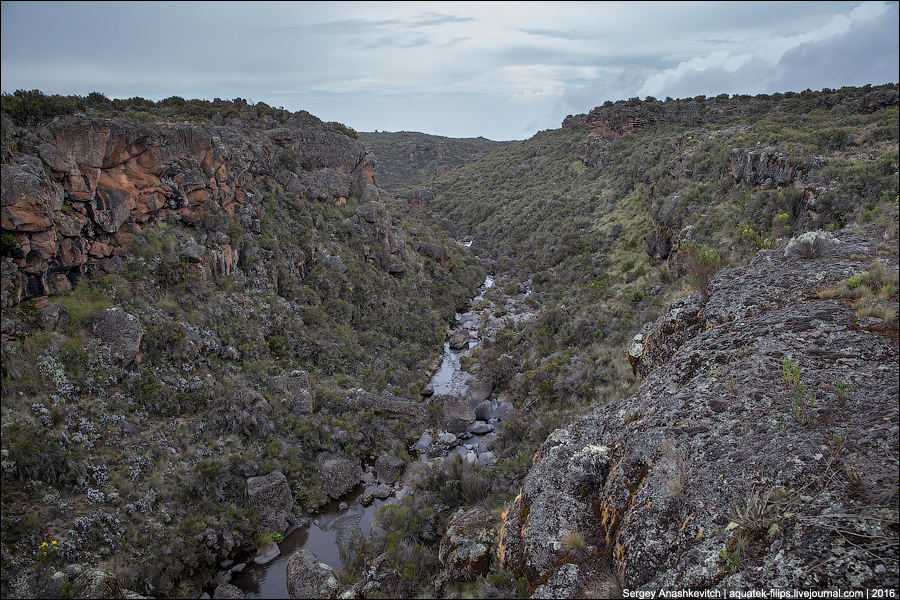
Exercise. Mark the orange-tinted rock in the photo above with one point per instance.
(100, 250)
(43, 244)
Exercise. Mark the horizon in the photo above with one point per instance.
(464, 70)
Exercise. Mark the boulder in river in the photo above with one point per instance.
(306, 577)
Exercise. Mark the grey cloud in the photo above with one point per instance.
(429, 19)
(866, 53)
(564, 35)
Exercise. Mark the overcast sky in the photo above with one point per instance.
(502, 70)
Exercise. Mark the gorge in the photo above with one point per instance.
(218, 320)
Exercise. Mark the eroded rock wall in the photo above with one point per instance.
(84, 186)
(716, 435)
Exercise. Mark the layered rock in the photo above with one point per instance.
(721, 470)
(84, 186)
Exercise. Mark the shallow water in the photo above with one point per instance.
(331, 527)
(329, 530)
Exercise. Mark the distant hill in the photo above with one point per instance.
(406, 159)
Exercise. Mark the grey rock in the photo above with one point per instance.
(389, 467)
(272, 495)
(338, 475)
(307, 577)
(120, 334)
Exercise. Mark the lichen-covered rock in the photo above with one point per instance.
(272, 495)
(97, 583)
(308, 578)
(468, 544)
(389, 467)
(337, 475)
(120, 334)
(228, 591)
(718, 433)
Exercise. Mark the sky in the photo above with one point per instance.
(501, 70)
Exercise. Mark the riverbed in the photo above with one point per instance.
(332, 527)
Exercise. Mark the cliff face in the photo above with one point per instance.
(84, 186)
(759, 451)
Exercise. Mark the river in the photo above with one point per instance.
(332, 526)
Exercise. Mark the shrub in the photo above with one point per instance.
(702, 263)
(813, 244)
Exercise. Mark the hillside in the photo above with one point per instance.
(405, 160)
(216, 314)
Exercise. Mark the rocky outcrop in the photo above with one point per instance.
(271, 494)
(308, 578)
(768, 167)
(759, 449)
(389, 467)
(467, 546)
(84, 186)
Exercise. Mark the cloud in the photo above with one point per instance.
(562, 35)
(852, 49)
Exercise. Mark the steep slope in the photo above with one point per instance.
(405, 159)
(759, 451)
(188, 306)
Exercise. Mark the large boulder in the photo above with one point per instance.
(337, 475)
(120, 335)
(271, 494)
(389, 467)
(28, 200)
(468, 544)
(456, 415)
(459, 339)
(306, 577)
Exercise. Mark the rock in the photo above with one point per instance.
(120, 334)
(456, 415)
(438, 254)
(487, 443)
(371, 211)
(480, 428)
(459, 339)
(48, 314)
(714, 434)
(389, 467)
(338, 475)
(423, 443)
(448, 439)
(389, 406)
(228, 591)
(272, 495)
(28, 202)
(428, 390)
(479, 391)
(484, 411)
(366, 499)
(382, 491)
(268, 554)
(502, 409)
(308, 578)
(97, 583)
(468, 544)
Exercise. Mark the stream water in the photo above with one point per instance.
(332, 526)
